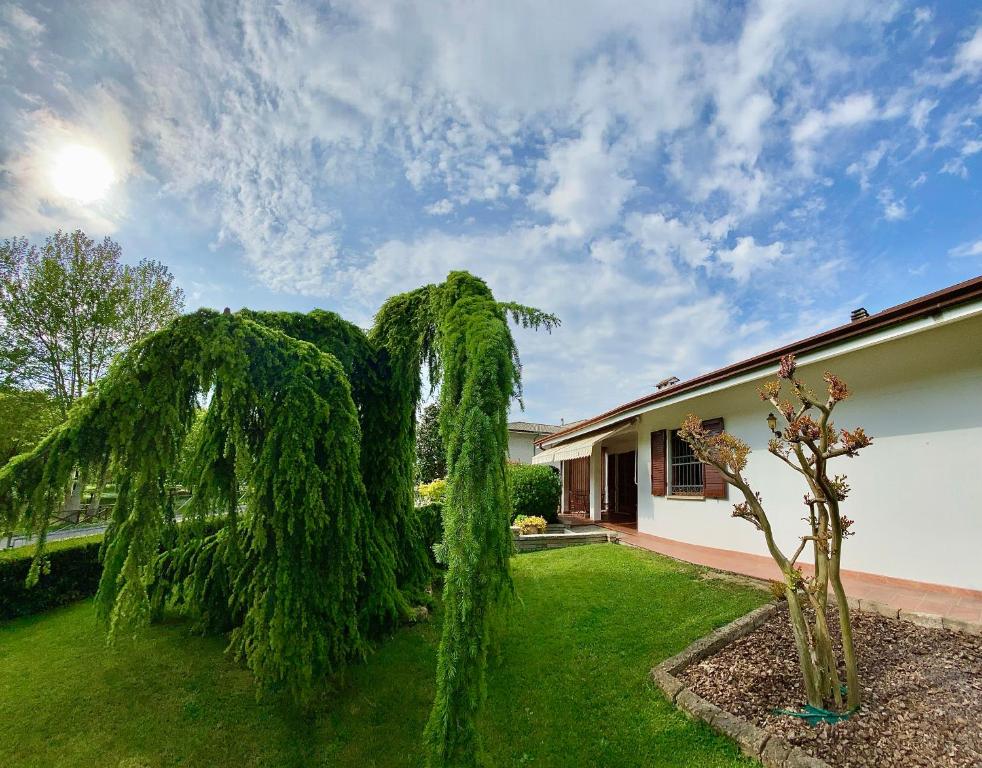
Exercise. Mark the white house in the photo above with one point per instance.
(522, 436)
(915, 371)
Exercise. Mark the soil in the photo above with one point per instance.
(922, 693)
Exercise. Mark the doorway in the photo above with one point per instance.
(622, 487)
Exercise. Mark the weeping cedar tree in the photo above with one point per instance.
(303, 538)
(807, 443)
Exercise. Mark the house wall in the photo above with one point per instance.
(916, 492)
(521, 446)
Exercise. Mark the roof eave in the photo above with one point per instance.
(927, 305)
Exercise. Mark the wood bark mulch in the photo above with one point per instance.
(922, 693)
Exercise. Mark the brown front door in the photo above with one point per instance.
(625, 494)
(576, 479)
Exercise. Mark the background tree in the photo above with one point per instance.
(431, 457)
(25, 418)
(70, 306)
(807, 443)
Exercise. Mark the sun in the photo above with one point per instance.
(82, 173)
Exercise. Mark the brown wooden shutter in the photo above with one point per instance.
(659, 478)
(713, 484)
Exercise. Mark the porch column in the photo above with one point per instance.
(596, 478)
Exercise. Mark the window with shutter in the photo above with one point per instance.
(714, 486)
(687, 470)
(659, 476)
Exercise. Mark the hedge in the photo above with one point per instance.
(535, 491)
(72, 572)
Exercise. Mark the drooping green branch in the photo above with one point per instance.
(282, 426)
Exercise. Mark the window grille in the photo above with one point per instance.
(686, 469)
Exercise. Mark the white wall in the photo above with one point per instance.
(916, 492)
(521, 446)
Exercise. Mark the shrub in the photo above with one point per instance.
(70, 572)
(529, 525)
(434, 492)
(535, 491)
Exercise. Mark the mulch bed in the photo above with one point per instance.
(922, 693)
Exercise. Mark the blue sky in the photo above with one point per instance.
(684, 183)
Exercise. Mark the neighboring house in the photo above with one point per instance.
(522, 436)
(915, 371)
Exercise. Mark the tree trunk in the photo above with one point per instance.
(809, 672)
(853, 695)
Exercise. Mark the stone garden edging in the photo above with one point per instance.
(533, 542)
(773, 751)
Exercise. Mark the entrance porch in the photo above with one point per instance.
(600, 477)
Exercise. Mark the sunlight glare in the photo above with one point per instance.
(82, 173)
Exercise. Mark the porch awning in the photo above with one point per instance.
(578, 448)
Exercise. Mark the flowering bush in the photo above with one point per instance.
(527, 524)
(432, 493)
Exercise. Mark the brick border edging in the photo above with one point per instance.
(772, 750)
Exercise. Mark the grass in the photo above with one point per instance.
(569, 686)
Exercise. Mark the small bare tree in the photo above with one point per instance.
(807, 443)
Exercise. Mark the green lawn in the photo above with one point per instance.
(569, 686)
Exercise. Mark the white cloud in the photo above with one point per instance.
(665, 238)
(955, 166)
(970, 248)
(865, 166)
(608, 251)
(968, 58)
(632, 166)
(922, 16)
(855, 109)
(893, 209)
(22, 21)
(583, 186)
(440, 208)
(747, 256)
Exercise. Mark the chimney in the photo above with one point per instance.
(671, 381)
(858, 314)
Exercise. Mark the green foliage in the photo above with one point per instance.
(282, 425)
(431, 456)
(435, 491)
(430, 518)
(308, 542)
(535, 491)
(25, 418)
(70, 571)
(477, 354)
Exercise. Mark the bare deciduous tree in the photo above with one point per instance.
(806, 444)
